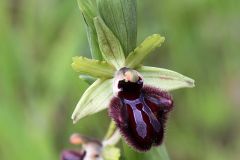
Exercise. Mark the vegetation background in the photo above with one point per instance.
(39, 90)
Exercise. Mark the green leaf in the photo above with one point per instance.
(89, 12)
(165, 79)
(109, 45)
(136, 57)
(121, 17)
(111, 153)
(94, 99)
(94, 68)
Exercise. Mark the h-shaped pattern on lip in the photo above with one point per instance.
(141, 126)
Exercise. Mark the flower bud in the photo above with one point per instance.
(91, 149)
(72, 155)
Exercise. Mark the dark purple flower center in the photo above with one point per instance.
(130, 90)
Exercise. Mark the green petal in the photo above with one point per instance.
(165, 79)
(94, 68)
(109, 45)
(89, 12)
(94, 99)
(121, 18)
(136, 57)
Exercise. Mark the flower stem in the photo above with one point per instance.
(111, 129)
(163, 153)
(113, 140)
(112, 136)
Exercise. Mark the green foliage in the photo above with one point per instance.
(89, 11)
(109, 45)
(39, 90)
(121, 17)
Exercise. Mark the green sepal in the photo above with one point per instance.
(94, 68)
(89, 11)
(95, 99)
(121, 17)
(111, 153)
(109, 45)
(165, 79)
(136, 57)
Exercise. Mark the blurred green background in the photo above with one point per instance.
(39, 90)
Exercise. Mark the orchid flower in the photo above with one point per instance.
(91, 149)
(136, 96)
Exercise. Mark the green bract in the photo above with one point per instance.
(121, 17)
(109, 45)
(99, 94)
(89, 12)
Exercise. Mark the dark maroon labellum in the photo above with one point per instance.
(140, 113)
(72, 155)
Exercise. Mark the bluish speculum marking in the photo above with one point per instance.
(141, 125)
(151, 116)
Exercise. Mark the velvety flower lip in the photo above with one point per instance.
(140, 112)
(137, 96)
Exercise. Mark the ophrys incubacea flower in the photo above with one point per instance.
(136, 95)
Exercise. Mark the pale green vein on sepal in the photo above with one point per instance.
(136, 57)
(109, 45)
(94, 68)
(96, 98)
(165, 79)
(89, 11)
(121, 18)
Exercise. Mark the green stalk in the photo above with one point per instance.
(111, 130)
(163, 153)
